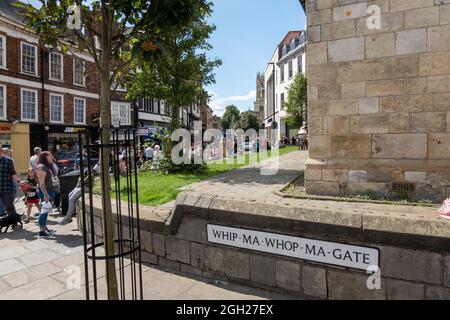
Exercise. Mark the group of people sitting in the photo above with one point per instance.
(149, 153)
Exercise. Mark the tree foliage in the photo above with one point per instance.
(179, 77)
(231, 117)
(248, 121)
(296, 105)
(118, 35)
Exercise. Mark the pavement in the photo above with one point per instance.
(255, 182)
(33, 268)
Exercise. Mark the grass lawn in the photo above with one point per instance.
(156, 189)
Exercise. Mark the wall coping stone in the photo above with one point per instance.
(410, 227)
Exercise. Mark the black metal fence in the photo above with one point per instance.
(125, 257)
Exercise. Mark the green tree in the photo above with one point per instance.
(248, 121)
(116, 34)
(230, 118)
(296, 105)
(180, 75)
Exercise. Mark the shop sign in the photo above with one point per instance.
(332, 253)
(72, 130)
(5, 128)
(142, 132)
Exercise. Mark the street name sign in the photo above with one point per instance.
(326, 252)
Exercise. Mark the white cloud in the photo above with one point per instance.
(219, 104)
(250, 96)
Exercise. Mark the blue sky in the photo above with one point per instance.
(246, 36)
(245, 39)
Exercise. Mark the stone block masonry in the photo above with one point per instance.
(378, 94)
(414, 253)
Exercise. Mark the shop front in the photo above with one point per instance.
(58, 137)
(16, 136)
(5, 135)
(151, 133)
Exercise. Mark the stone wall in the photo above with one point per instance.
(379, 100)
(411, 268)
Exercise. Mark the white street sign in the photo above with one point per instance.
(326, 252)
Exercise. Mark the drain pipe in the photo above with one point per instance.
(43, 59)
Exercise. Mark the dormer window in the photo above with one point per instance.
(303, 38)
(285, 49)
(294, 43)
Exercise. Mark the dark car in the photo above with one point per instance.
(69, 160)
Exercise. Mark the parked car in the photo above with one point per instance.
(68, 161)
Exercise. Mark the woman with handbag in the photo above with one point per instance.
(48, 185)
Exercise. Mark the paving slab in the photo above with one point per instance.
(37, 290)
(31, 274)
(38, 257)
(11, 266)
(32, 268)
(10, 252)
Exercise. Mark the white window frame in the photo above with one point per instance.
(290, 69)
(84, 72)
(36, 116)
(120, 104)
(3, 56)
(62, 107)
(74, 111)
(35, 59)
(300, 63)
(5, 102)
(50, 67)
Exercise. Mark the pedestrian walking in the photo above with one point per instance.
(48, 185)
(8, 153)
(35, 158)
(8, 176)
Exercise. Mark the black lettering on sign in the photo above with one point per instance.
(281, 244)
(229, 236)
(250, 240)
(316, 252)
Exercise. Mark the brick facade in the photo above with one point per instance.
(44, 131)
(13, 71)
(379, 109)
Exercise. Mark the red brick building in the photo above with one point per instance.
(45, 96)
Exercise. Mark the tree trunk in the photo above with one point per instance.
(105, 124)
(108, 223)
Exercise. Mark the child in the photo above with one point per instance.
(31, 193)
